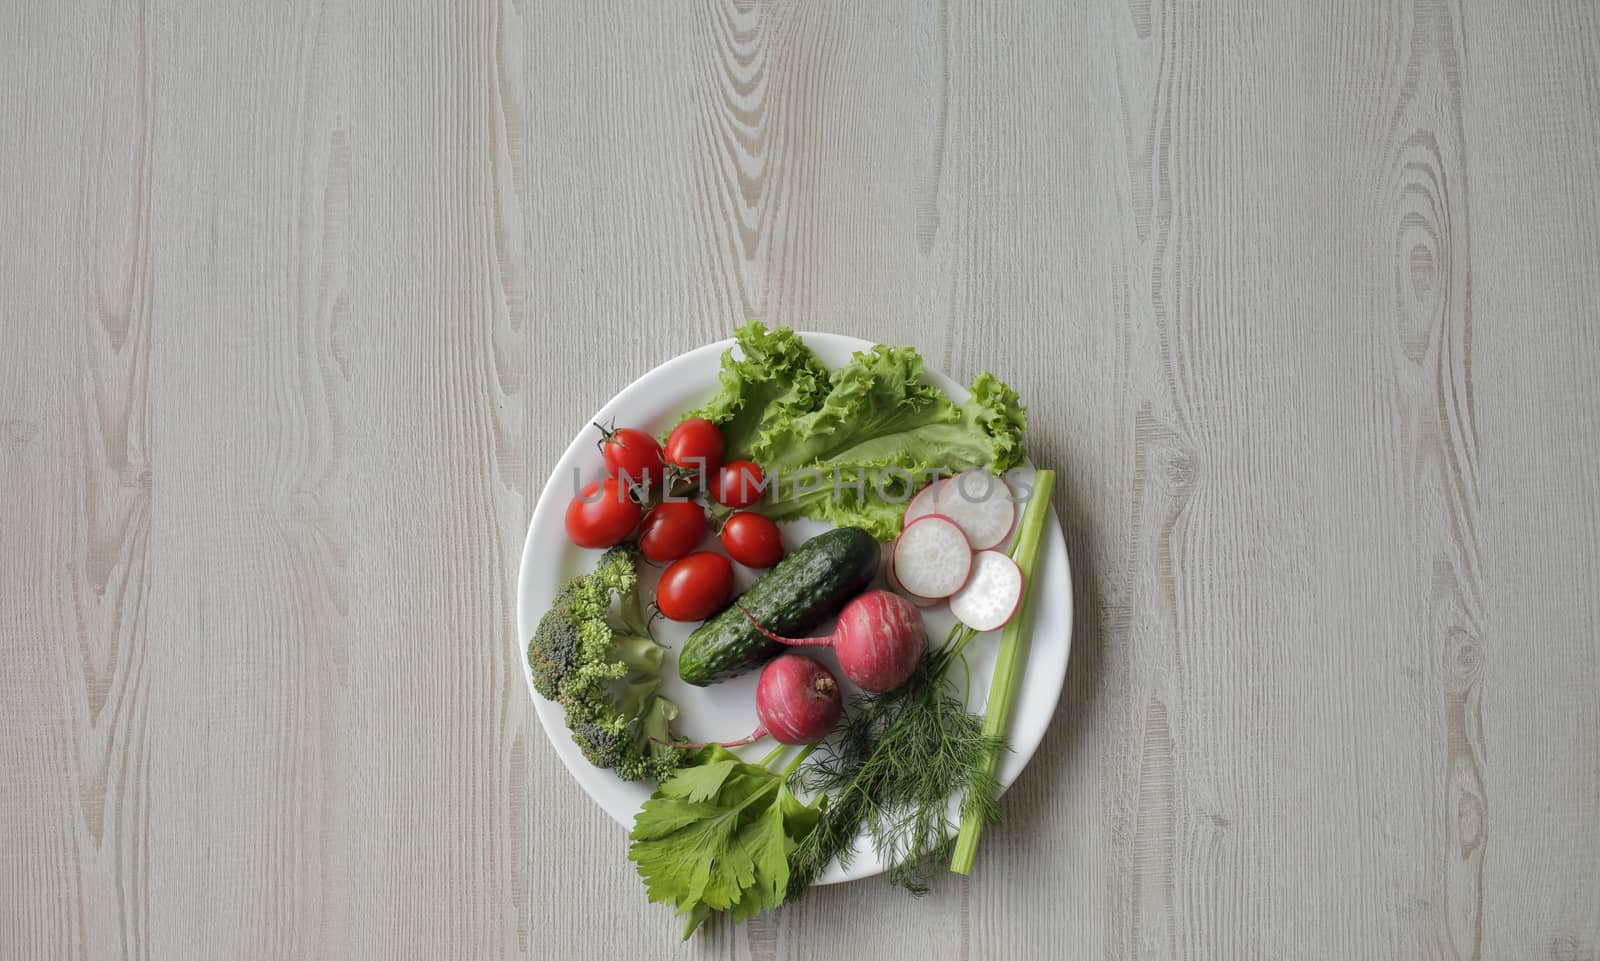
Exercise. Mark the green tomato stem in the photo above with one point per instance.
(1011, 656)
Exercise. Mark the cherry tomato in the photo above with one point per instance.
(752, 540)
(671, 529)
(695, 587)
(632, 455)
(696, 445)
(739, 484)
(602, 515)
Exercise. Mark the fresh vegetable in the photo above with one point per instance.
(718, 835)
(980, 504)
(879, 640)
(850, 446)
(738, 484)
(603, 514)
(932, 557)
(671, 529)
(752, 540)
(922, 505)
(891, 770)
(775, 371)
(854, 439)
(893, 580)
(695, 586)
(992, 593)
(806, 588)
(1009, 662)
(631, 455)
(695, 445)
(606, 676)
(900, 757)
(797, 702)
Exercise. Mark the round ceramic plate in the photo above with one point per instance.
(727, 710)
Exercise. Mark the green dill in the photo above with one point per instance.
(891, 770)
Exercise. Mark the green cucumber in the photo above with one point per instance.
(805, 589)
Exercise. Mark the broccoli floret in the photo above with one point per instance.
(554, 649)
(606, 677)
(636, 746)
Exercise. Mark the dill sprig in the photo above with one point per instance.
(891, 770)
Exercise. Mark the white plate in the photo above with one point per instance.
(727, 710)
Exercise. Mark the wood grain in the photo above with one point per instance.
(302, 301)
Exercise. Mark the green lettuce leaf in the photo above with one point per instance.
(880, 436)
(879, 395)
(872, 422)
(844, 496)
(775, 370)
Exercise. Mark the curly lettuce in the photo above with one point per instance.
(878, 396)
(852, 448)
(775, 371)
(865, 479)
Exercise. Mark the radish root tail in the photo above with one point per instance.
(751, 738)
(790, 641)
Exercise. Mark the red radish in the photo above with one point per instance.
(932, 557)
(879, 640)
(899, 588)
(991, 595)
(921, 505)
(797, 702)
(981, 504)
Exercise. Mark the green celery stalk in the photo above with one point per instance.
(1013, 653)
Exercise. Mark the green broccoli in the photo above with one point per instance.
(606, 677)
(636, 744)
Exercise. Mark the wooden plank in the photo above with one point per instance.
(1533, 126)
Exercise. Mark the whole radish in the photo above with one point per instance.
(797, 702)
(879, 640)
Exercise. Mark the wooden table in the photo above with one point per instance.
(300, 302)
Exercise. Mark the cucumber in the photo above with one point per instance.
(805, 589)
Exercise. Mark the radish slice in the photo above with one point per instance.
(991, 595)
(922, 504)
(899, 588)
(932, 557)
(981, 504)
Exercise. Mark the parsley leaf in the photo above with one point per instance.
(717, 836)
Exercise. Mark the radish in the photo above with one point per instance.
(921, 505)
(932, 557)
(899, 588)
(981, 504)
(991, 595)
(797, 702)
(879, 640)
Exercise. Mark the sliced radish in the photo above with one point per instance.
(921, 505)
(932, 557)
(981, 504)
(899, 588)
(991, 595)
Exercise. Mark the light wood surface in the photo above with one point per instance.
(300, 301)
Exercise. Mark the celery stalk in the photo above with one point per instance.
(1013, 652)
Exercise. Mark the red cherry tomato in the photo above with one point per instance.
(632, 455)
(602, 515)
(695, 587)
(695, 445)
(752, 540)
(671, 529)
(740, 483)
